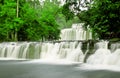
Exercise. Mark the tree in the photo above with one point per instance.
(30, 27)
(72, 7)
(22, 20)
(103, 18)
(48, 14)
(8, 18)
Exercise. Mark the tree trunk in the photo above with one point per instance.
(17, 7)
(12, 36)
(17, 15)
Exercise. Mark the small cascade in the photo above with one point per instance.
(64, 50)
(105, 56)
(101, 53)
(76, 33)
(114, 58)
(25, 51)
(114, 46)
(51, 51)
(76, 54)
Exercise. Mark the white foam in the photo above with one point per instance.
(54, 62)
(99, 67)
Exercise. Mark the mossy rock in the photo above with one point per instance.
(114, 40)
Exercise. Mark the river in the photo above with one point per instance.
(42, 69)
(61, 59)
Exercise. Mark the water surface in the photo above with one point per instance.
(42, 69)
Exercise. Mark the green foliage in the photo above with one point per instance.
(103, 18)
(66, 12)
(30, 21)
(71, 10)
(115, 39)
(7, 16)
(72, 7)
(61, 21)
(48, 14)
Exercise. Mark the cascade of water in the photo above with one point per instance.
(64, 50)
(46, 49)
(76, 54)
(37, 50)
(25, 50)
(15, 52)
(114, 46)
(99, 57)
(86, 52)
(9, 50)
(70, 51)
(51, 51)
(3, 51)
(75, 33)
(114, 58)
(104, 56)
(101, 54)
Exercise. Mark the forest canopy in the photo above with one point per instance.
(22, 20)
(102, 16)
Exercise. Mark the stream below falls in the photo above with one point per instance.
(43, 69)
(75, 55)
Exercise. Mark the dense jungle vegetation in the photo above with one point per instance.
(22, 20)
(102, 16)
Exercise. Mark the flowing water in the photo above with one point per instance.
(40, 69)
(76, 33)
(78, 57)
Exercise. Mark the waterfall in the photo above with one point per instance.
(75, 45)
(101, 54)
(36, 50)
(76, 33)
(75, 51)
(76, 54)
(105, 56)
(67, 50)
(71, 51)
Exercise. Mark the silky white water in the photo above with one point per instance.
(76, 32)
(74, 56)
(67, 51)
(74, 51)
